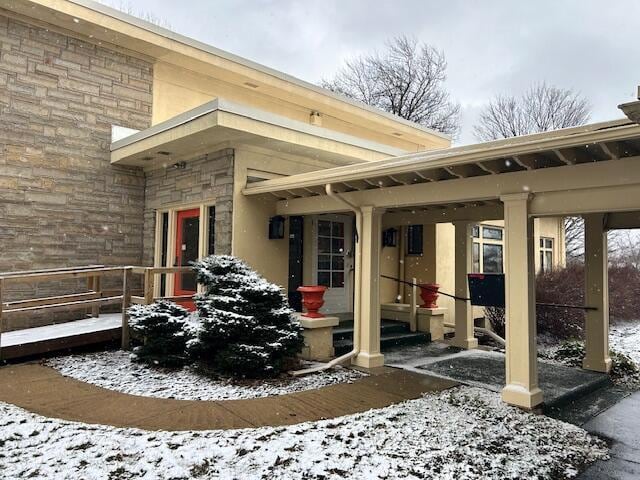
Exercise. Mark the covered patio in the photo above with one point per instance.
(591, 171)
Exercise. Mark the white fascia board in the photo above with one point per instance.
(258, 115)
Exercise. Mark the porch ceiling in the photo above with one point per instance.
(599, 142)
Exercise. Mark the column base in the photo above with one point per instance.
(522, 397)
(597, 365)
(366, 360)
(466, 343)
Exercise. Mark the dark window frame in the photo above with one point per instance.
(415, 240)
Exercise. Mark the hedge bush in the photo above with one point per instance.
(566, 286)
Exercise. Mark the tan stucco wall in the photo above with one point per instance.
(437, 263)
(251, 215)
(177, 90)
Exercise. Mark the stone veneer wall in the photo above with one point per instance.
(209, 177)
(63, 204)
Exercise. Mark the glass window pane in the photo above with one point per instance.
(337, 279)
(324, 262)
(541, 242)
(492, 233)
(548, 260)
(476, 257)
(414, 240)
(337, 229)
(324, 279)
(542, 265)
(337, 262)
(476, 231)
(548, 242)
(324, 245)
(324, 228)
(337, 245)
(212, 231)
(492, 258)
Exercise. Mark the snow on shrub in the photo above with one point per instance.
(164, 328)
(246, 326)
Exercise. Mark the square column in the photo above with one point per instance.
(464, 337)
(596, 294)
(520, 313)
(369, 294)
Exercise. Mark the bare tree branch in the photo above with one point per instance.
(540, 109)
(128, 8)
(407, 80)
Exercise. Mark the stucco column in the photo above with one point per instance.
(520, 314)
(369, 242)
(463, 264)
(596, 294)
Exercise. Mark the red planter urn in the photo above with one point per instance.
(429, 294)
(312, 300)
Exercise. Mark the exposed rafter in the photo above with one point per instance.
(611, 150)
(452, 172)
(487, 169)
(564, 158)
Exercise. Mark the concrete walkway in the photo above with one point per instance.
(45, 391)
(621, 426)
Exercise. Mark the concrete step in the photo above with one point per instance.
(387, 341)
(345, 329)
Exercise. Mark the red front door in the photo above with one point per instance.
(187, 247)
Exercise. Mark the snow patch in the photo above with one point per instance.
(463, 433)
(115, 371)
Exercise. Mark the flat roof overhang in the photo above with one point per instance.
(631, 110)
(567, 147)
(220, 122)
(588, 169)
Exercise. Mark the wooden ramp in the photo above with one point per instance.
(39, 340)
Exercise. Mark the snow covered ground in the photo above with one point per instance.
(463, 433)
(624, 337)
(115, 371)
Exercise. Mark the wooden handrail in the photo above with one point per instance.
(35, 302)
(38, 277)
(93, 298)
(160, 270)
(67, 305)
(47, 270)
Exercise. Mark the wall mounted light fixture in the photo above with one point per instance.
(276, 227)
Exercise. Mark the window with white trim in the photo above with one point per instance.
(488, 249)
(546, 254)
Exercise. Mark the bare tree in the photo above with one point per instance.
(574, 239)
(406, 79)
(625, 248)
(128, 8)
(539, 109)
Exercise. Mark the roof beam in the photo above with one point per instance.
(486, 168)
(452, 172)
(443, 215)
(611, 150)
(591, 175)
(523, 162)
(533, 144)
(564, 158)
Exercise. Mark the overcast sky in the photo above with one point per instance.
(491, 47)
